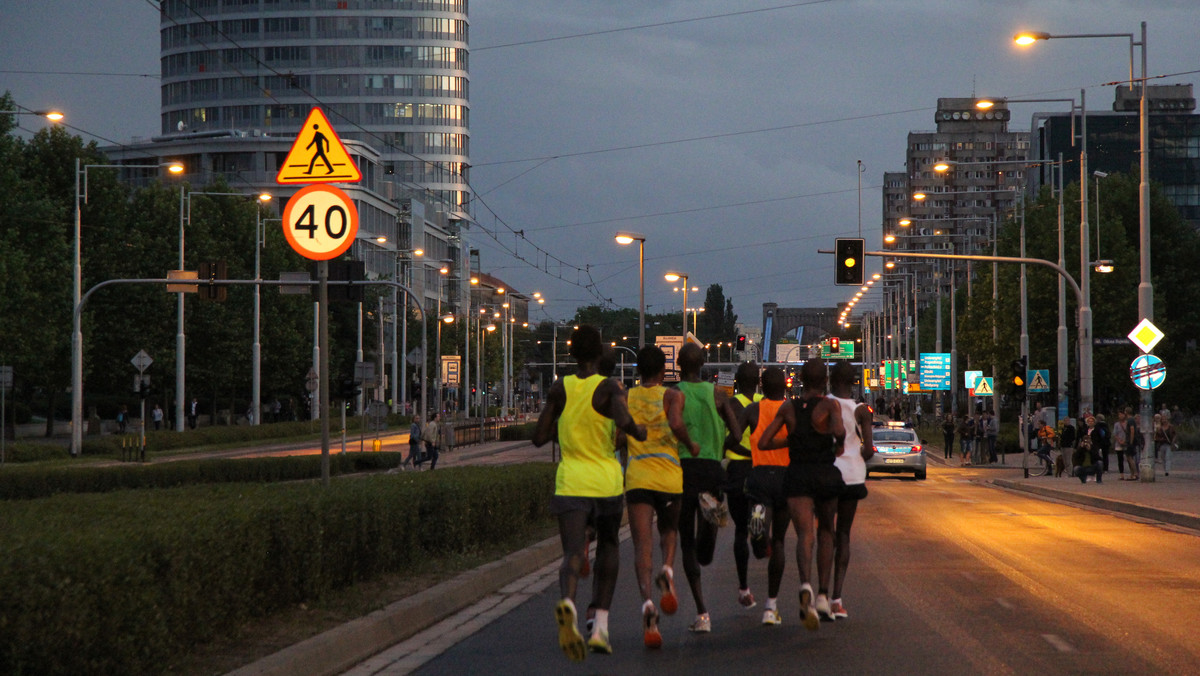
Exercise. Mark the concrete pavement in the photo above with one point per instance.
(1172, 500)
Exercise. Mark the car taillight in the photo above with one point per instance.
(917, 448)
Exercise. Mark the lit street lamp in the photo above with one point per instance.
(675, 277)
(81, 175)
(630, 238)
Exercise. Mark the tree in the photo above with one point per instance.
(718, 323)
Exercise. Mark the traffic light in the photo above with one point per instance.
(741, 343)
(850, 253)
(348, 389)
(835, 345)
(212, 271)
(346, 271)
(1019, 368)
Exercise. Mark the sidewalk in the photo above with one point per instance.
(1171, 499)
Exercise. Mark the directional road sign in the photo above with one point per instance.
(1148, 372)
(318, 155)
(969, 378)
(1038, 380)
(935, 371)
(320, 222)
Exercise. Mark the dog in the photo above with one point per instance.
(1059, 466)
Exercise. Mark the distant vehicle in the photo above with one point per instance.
(898, 450)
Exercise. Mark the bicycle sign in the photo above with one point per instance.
(320, 222)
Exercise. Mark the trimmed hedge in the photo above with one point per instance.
(24, 483)
(123, 583)
(522, 432)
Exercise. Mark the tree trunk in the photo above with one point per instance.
(50, 392)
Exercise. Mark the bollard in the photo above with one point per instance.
(377, 445)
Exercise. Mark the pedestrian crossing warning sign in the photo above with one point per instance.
(1038, 380)
(983, 387)
(318, 155)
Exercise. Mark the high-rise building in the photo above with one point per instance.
(239, 78)
(958, 208)
(1113, 141)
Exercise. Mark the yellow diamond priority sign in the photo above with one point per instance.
(1146, 335)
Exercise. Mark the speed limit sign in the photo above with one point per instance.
(320, 222)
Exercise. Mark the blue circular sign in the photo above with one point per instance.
(1148, 372)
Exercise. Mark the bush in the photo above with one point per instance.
(521, 432)
(24, 483)
(123, 583)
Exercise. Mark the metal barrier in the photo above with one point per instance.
(476, 431)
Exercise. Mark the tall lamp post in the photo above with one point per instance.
(1145, 285)
(675, 277)
(630, 238)
(81, 194)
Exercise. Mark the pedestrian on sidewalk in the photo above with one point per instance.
(966, 438)
(993, 432)
(581, 411)
(414, 444)
(1164, 441)
(1103, 440)
(1120, 440)
(1136, 443)
(1086, 460)
(431, 435)
(948, 437)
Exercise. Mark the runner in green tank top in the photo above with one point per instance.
(580, 413)
(709, 417)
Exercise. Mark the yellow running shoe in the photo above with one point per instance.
(569, 638)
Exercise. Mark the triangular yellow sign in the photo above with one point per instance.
(983, 387)
(318, 155)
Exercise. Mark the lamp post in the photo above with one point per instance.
(630, 238)
(400, 352)
(81, 194)
(1145, 285)
(675, 277)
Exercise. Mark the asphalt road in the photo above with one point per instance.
(948, 576)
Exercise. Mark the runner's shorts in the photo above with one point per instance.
(764, 486)
(816, 481)
(735, 475)
(595, 507)
(702, 476)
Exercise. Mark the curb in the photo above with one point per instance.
(1131, 508)
(342, 647)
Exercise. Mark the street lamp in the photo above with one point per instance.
(400, 308)
(675, 277)
(51, 115)
(81, 194)
(630, 238)
(1145, 286)
(1101, 265)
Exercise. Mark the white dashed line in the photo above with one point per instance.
(1060, 644)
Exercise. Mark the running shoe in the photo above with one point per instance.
(702, 625)
(808, 614)
(771, 617)
(650, 634)
(666, 584)
(746, 598)
(758, 522)
(569, 638)
(713, 510)
(824, 613)
(838, 610)
(598, 643)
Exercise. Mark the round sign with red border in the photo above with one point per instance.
(320, 222)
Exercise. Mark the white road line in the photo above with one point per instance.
(1004, 603)
(1060, 644)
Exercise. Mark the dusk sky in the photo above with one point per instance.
(727, 133)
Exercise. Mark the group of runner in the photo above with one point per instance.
(690, 451)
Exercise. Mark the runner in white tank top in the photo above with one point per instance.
(852, 463)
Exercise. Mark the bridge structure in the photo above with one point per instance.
(780, 321)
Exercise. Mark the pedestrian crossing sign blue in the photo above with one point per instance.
(983, 387)
(1038, 379)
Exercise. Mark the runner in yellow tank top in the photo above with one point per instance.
(582, 410)
(654, 483)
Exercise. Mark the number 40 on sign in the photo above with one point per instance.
(320, 222)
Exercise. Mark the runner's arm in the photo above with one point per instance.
(862, 415)
(725, 408)
(545, 429)
(673, 403)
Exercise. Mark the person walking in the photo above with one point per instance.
(414, 444)
(709, 418)
(1164, 440)
(1136, 443)
(431, 435)
(654, 482)
(992, 433)
(1120, 441)
(193, 415)
(581, 412)
(857, 448)
(813, 484)
(769, 516)
(948, 430)
(157, 416)
(738, 463)
(966, 438)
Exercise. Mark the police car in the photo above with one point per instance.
(898, 450)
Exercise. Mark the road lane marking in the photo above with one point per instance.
(1004, 603)
(1060, 644)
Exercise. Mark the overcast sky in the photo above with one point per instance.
(731, 142)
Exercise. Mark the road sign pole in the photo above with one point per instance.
(323, 341)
